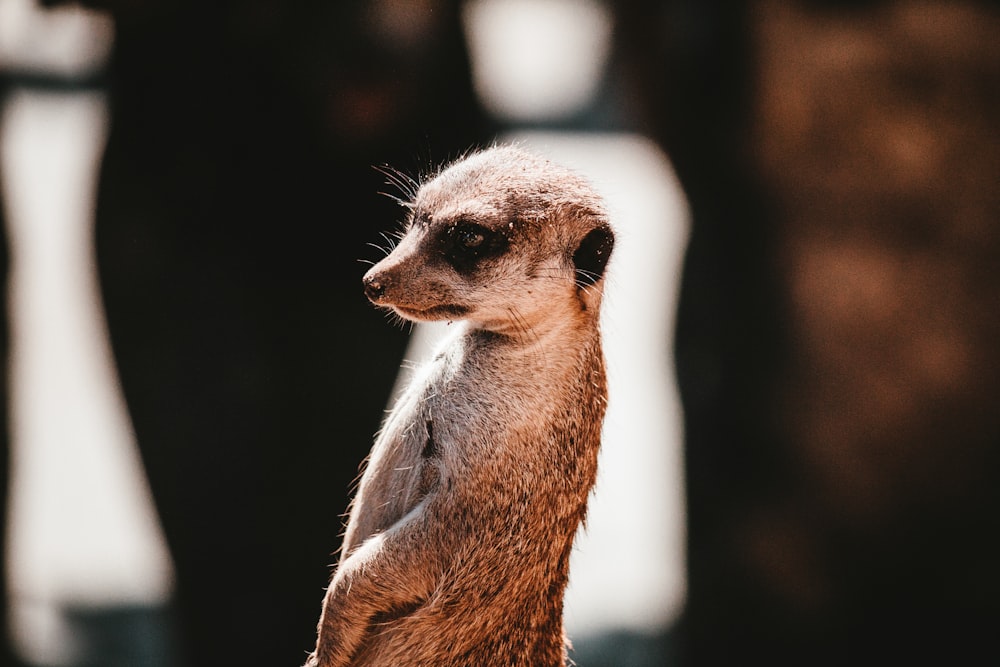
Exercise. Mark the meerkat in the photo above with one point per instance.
(457, 546)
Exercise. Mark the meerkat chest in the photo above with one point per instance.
(478, 410)
(470, 402)
(487, 390)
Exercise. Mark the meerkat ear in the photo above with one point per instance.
(591, 257)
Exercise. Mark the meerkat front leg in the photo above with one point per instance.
(389, 573)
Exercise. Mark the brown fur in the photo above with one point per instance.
(458, 542)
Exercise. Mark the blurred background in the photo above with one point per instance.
(801, 452)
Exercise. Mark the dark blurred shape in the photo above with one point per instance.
(237, 195)
(624, 648)
(837, 343)
(122, 636)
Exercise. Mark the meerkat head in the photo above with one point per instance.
(500, 238)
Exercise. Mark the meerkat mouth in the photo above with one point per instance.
(445, 311)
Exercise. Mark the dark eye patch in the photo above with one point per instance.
(464, 244)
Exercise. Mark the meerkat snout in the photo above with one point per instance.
(374, 288)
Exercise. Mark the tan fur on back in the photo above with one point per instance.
(458, 542)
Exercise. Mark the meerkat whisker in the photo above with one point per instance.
(391, 239)
(401, 181)
(405, 203)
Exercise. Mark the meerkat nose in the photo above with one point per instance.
(374, 288)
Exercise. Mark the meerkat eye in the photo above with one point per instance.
(469, 236)
(465, 243)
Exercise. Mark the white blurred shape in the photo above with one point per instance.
(82, 528)
(537, 59)
(68, 40)
(628, 568)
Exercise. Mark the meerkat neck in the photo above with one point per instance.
(540, 323)
(532, 333)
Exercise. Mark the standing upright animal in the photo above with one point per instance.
(457, 546)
